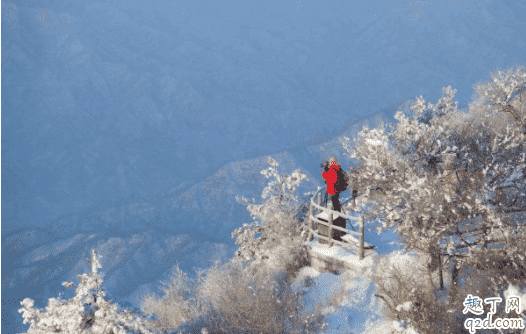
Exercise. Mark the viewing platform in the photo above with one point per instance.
(332, 247)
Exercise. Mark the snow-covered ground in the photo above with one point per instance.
(360, 311)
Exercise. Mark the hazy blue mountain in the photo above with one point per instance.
(108, 101)
(129, 127)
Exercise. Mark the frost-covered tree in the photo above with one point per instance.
(440, 171)
(226, 298)
(241, 301)
(180, 303)
(503, 98)
(87, 312)
(253, 292)
(276, 238)
(445, 106)
(500, 106)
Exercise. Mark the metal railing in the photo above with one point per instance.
(331, 226)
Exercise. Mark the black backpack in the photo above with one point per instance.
(341, 182)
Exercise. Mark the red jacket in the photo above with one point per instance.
(331, 176)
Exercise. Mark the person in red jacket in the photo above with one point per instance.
(331, 177)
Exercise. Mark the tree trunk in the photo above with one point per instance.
(440, 271)
(361, 251)
(436, 262)
(454, 281)
(429, 276)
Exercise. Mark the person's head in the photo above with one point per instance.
(332, 160)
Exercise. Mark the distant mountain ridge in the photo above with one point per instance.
(142, 239)
(99, 106)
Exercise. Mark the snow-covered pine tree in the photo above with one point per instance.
(87, 312)
(276, 239)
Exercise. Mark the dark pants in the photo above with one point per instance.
(335, 199)
(336, 206)
(336, 202)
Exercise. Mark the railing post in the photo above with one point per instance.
(330, 230)
(360, 221)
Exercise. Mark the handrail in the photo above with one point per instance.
(321, 208)
(335, 227)
(341, 243)
(313, 219)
